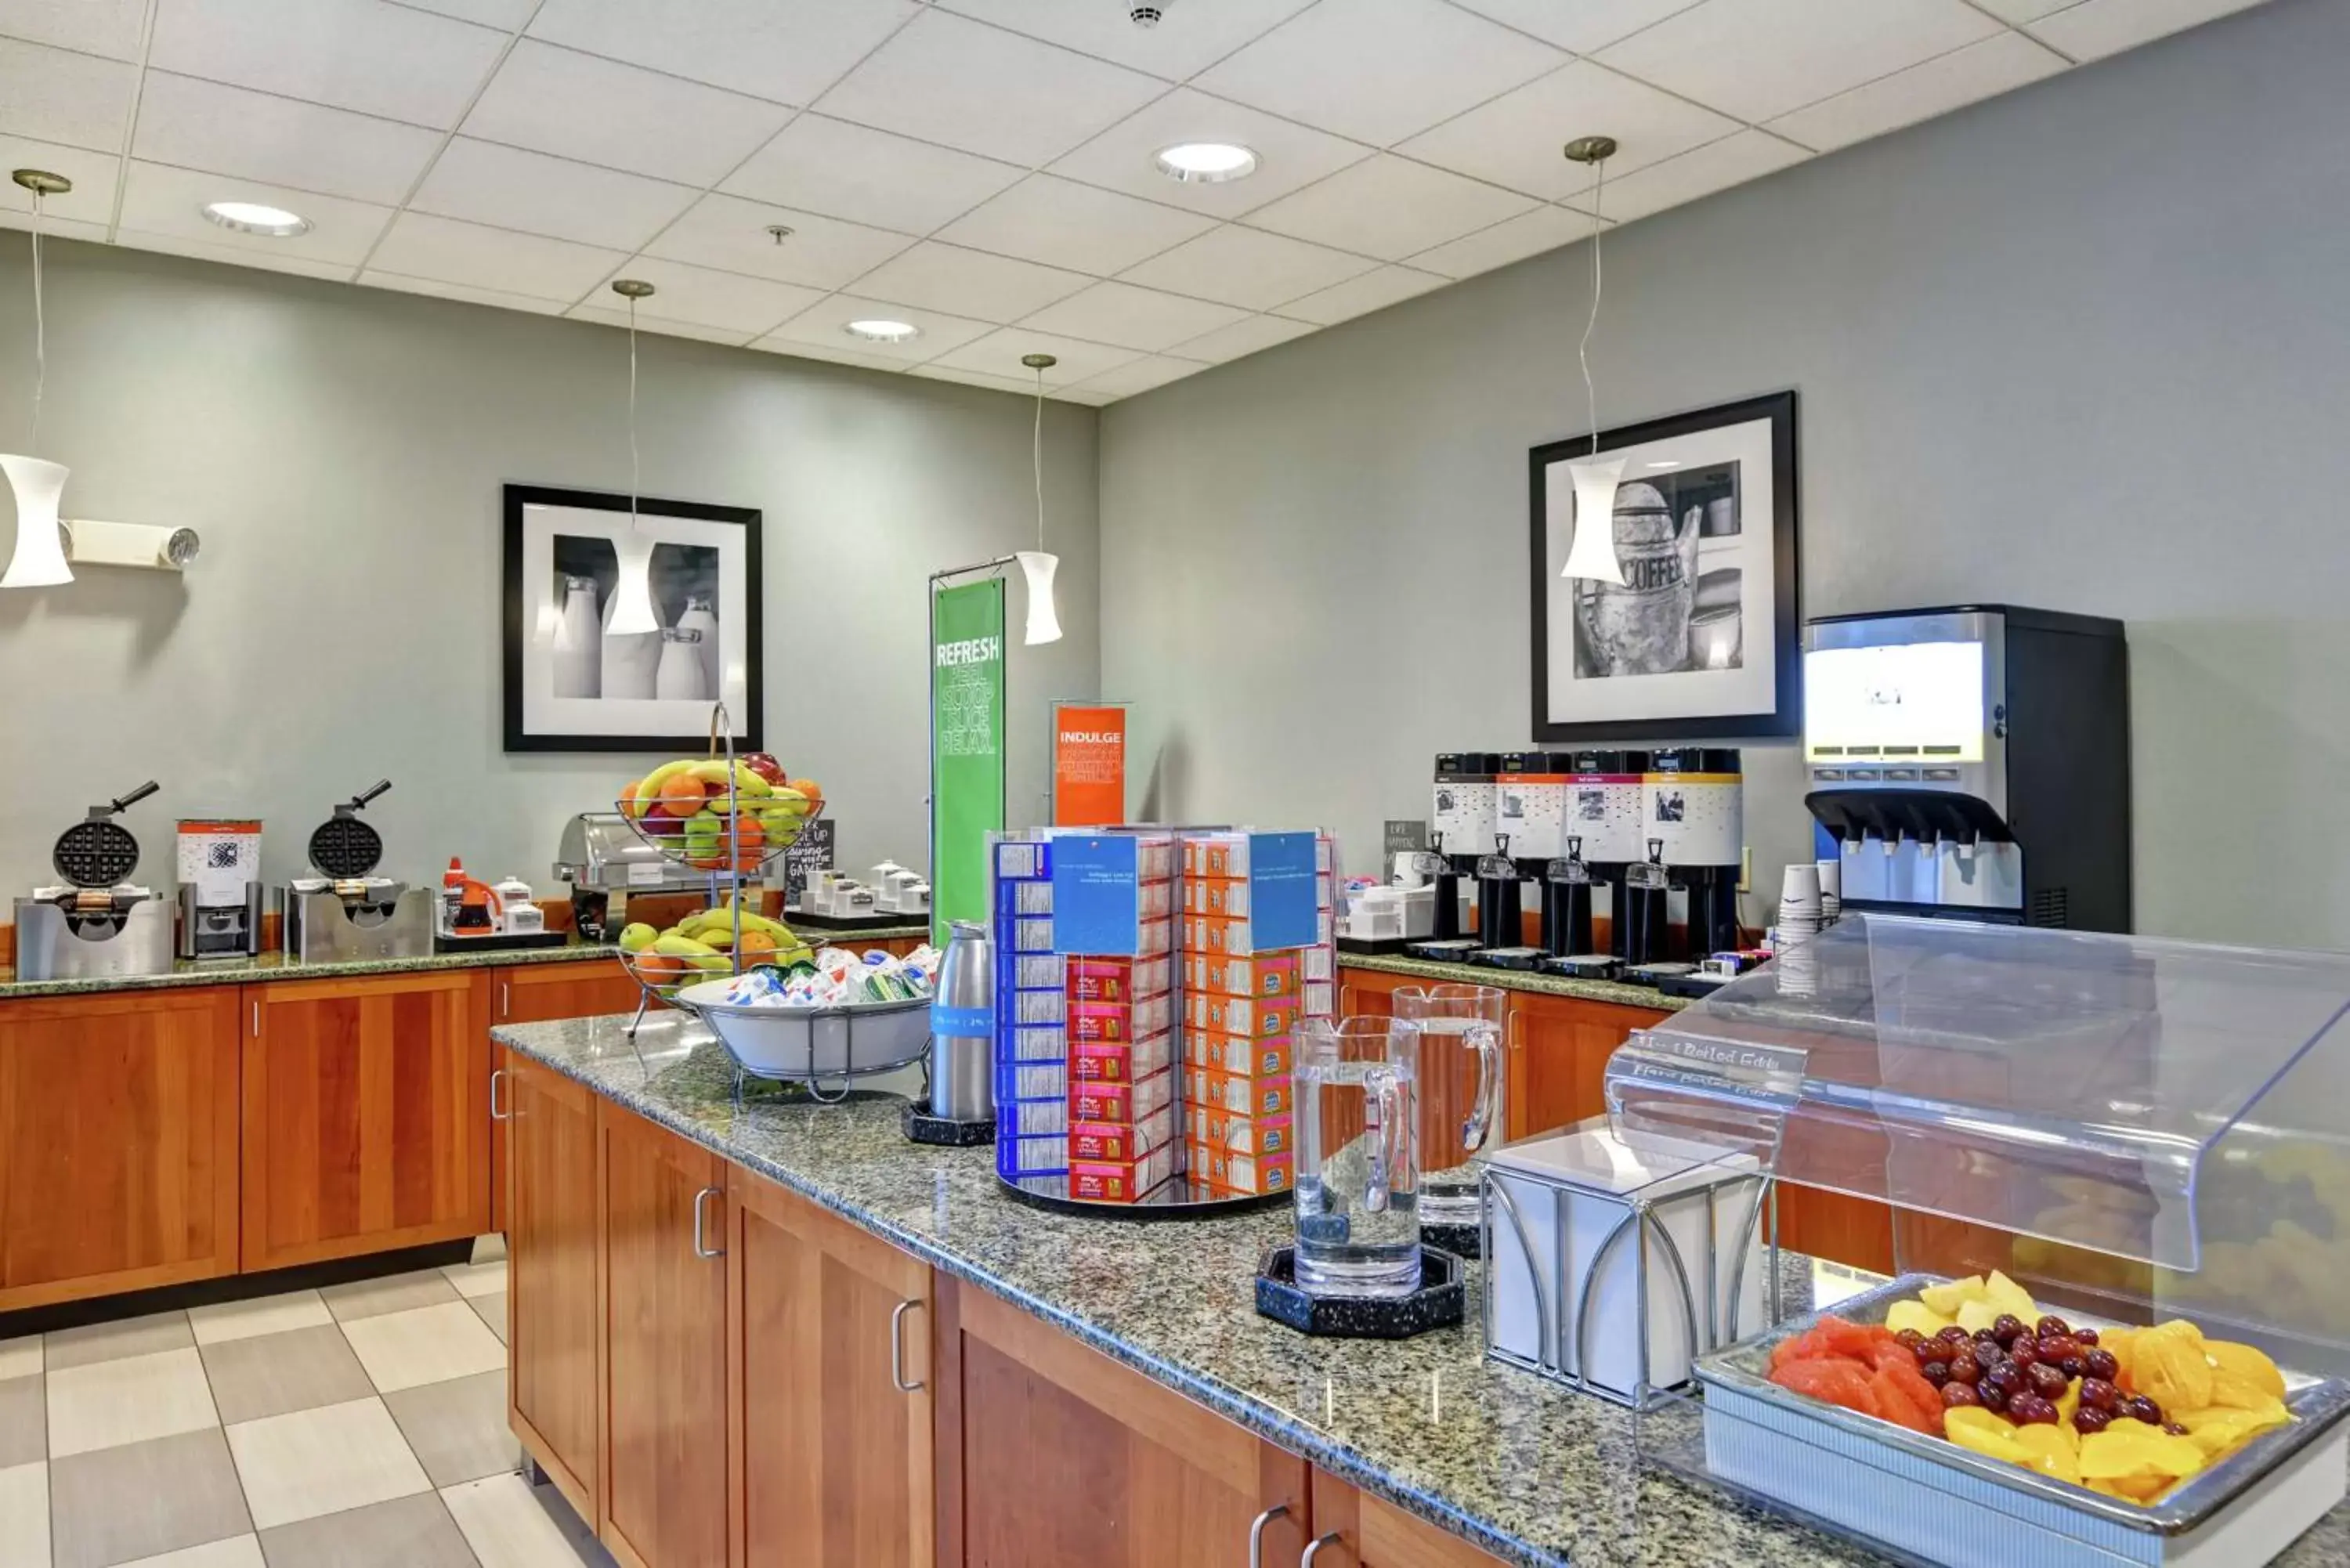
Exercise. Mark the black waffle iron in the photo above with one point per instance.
(345, 911)
(95, 922)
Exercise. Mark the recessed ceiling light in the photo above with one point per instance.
(1206, 163)
(252, 218)
(879, 329)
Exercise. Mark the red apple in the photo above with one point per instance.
(765, 766)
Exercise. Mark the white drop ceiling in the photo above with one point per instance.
(981, 169)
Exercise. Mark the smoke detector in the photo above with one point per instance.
(1145, 15)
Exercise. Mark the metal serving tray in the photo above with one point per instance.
(1929, 1496)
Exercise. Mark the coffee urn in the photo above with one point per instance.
(1461, 825)
(1694, 798)
(1605, 810)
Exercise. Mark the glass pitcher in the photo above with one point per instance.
(1357, 1156)
(1459, 1090)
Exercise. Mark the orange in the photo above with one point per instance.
(681, 795)
(810, 788)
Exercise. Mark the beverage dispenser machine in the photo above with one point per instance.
(1973, 762)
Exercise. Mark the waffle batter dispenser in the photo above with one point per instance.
(221, 891)
(344, 912)
(95, 924)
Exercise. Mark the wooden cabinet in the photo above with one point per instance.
(554, 1283)
(829, 1389)
(1362, 1531)
(366, 1121)
(1054, 1455)
(664, 1492)
(534, 994)
(1557, 1049)
(117, 1143)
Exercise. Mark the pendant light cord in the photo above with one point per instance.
(1038, 444)
(1582, 350)
(40, 331)
(635, 475)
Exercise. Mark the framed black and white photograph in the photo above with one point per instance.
(621, 629)
(1699, 640)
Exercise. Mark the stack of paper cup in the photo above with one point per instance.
(1799, 902)
(1831, 891)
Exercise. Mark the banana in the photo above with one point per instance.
(749, 784)
(679, 946)
(710, 771)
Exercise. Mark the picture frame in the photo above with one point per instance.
(572, 685)
(1703, 641)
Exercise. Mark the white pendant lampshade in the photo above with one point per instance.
(1044, 620)
(1593, 554)
(39, 561)
(632, 600)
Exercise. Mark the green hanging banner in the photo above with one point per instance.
(966, 747)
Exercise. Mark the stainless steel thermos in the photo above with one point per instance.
(962, 1028)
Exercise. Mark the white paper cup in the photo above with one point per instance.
(1831, 878)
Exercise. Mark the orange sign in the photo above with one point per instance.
(1088, 766)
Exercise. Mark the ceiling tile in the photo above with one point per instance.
(2100, 28)
(2019, 12)
(1583, 26)
(772, 344)
(1133, 317)
(92, 200)
(1717, 166)
(578, 105)
(1257, 271)
(21, 219)
(421, 245)
(1022, 384)
(1529, 234)
(821, 253)
(1389, 207)
(955, 82)
(1242, 338)
(969, 282)
(1141, 375)
(485, 182)
(231, 255)
(108, 27)
(1379, 71)
(437, 289)
(159, 200)
(359, 55)
(229, 130)
(820, 165)
(788, 50)
(998, 354)
(659, 326)
(51, 95)
(1999, 63)
(824, 324)
(504, 15)
(1092, 397)
(1517, 140)
(1361, 296)
(704, 297)
(1289, 155)
(1188, 39)
(1063, 223)
(1755, 59)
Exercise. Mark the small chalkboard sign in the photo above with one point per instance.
(811, 851)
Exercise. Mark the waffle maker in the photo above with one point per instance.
(96, 924)
(344, 912)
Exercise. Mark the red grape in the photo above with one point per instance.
(2101, 1363)
(1935, 1373)
(2030, 1410)
(1955, 1394)
(1993, 1397)
(2086, 1420)
(2005, 1377)
(2052, 1326)
(2058, 1346)
(2046, 1381)
(1954, 1334)
(2174, 1428)
(2097, 1394)
(1910, 1338)
(2086, 1336)
(2008, 1328)
(2142, 1408)
(2023, 1352)
(1963, 1367)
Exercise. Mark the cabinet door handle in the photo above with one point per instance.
(1257, 1532)
(256, 1020)
(897, 1348)
(506, 1000)
(699, 1250)
(1316, 1550)
(496, 1115)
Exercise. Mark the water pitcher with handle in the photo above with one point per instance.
(1357, 1156)
(1459, 1090)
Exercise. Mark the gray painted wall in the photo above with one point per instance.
(2085, 346)
(341, 452)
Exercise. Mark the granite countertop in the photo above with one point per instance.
(1535, 1474)
(1610, 990)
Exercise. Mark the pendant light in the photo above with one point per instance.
(1044, 620)
(632, 610)
(1592, 555)
(39, 558)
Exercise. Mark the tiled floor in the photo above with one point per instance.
(363, 1425)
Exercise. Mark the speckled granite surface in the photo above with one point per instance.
(1529, 1471)
(1613, 990)
(276, 966)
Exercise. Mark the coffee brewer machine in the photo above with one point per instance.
(1600, 838)
(1694, 802)
(1973, 762)
(1461, 825)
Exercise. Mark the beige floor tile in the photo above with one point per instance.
(262, 1314)
(407, 1532)
(107, 1404)
(281, 1372)
(20, 1357)
(311, 1462)
(430, 1344)
(236, 1551)
(492, 1310)
(511, 1524)
(458, 1428)
(477, 1279)
(489, 1248)
(25, 1422)
(24, 1504)
(393, 1292)
(112, 1341)
(144, 1500)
